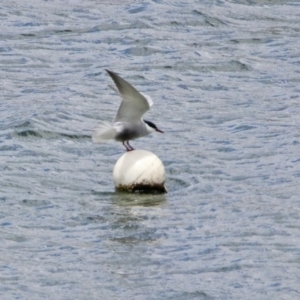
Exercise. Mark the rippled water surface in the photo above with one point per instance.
(224, 77)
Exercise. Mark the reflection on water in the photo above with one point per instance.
(125, 199)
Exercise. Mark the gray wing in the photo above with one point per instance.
(134, 104)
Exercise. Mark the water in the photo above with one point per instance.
(224, 77)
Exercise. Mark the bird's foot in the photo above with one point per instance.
(127, 146)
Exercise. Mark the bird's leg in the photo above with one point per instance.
(131, 148)
(127, 149)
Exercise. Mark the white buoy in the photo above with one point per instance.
(139, 171)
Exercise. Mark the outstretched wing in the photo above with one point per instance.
(134, 104)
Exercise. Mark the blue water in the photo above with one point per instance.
(224, 78)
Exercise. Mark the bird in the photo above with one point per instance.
(128, 123)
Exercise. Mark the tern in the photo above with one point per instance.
(128, 124)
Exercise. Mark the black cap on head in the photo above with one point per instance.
(153, 126)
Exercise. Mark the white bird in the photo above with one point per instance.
(128, 124)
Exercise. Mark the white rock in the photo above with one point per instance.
(139, 170)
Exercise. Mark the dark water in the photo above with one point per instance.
(224, 78)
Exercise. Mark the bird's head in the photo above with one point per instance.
(151, 127)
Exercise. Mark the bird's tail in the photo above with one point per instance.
(103, 133)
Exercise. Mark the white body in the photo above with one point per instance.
(121, 131)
